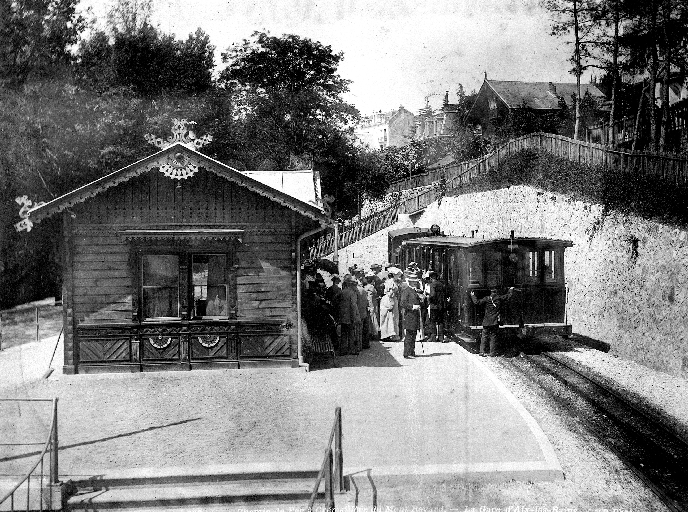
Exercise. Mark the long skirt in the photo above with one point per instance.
(389, 318)
(347, 341)
(374, 323)
(358, 338)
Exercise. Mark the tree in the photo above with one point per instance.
(290, 94)
(35, 37)
(147, 61)
(655, 37)
(574, 17)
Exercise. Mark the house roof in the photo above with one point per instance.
(302, 184)
(539, 95)
(298, 201)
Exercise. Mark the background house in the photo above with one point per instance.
(498, 101)
(437, 120)
(384, 129)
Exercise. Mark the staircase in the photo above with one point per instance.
(257, 486)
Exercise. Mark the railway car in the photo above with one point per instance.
(534, 267)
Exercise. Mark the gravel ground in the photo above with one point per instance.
(595, 478)
(659, 392)
(115, 424)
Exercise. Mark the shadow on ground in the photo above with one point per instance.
(378, 355)
(512, 346)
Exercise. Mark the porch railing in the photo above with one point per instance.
(45, 500)
(332, 467)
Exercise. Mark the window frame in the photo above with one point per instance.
(142, 286)
(185, 281)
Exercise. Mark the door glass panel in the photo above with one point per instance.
(493, 268)
(549, 266)
(475, 268)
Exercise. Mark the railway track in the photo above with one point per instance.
(657, 455)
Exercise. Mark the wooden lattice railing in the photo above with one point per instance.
(436, 182)
(355, 232)
(674, 168)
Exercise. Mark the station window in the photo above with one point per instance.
(210, 287)
(160, 285)
(167, 286)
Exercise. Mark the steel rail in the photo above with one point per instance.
(636, 468)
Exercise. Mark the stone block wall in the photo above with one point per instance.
(627, 277)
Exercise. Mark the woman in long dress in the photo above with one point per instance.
(389, 312)
(373, 306)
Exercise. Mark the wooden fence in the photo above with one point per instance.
(668, 167)
(672, 169)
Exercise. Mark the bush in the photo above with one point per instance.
(650, 197)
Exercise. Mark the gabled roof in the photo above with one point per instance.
(539, 95)
(153, 163)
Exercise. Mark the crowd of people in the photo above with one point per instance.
(387, 304)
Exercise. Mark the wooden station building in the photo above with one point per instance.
(179, 261)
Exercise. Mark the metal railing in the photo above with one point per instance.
(51, 447)
(332, 469)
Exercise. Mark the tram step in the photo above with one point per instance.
(180, 495)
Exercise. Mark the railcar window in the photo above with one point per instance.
(549, 266)
(533, 268)
(475, 268)
(493, 264)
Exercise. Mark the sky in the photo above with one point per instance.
(395, 52)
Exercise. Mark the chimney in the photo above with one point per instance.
(446, 98)
(552, 88)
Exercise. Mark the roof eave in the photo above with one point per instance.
(81, 194)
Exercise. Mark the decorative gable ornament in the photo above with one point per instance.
(179, 166)
(26, 204)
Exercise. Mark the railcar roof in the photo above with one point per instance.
(462, 241)
(407, 231)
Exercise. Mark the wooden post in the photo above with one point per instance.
(54, 459)
(0, 331)
(329, 492)
(338, 455)
(37, 326)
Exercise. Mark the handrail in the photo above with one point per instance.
(51, 443)
(330, 462)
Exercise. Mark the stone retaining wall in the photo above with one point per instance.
(627, 277)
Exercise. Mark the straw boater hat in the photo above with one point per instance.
(412, 277)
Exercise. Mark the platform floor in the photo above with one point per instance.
(442, 415)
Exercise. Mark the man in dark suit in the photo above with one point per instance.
(491, 319)
(409, 303)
